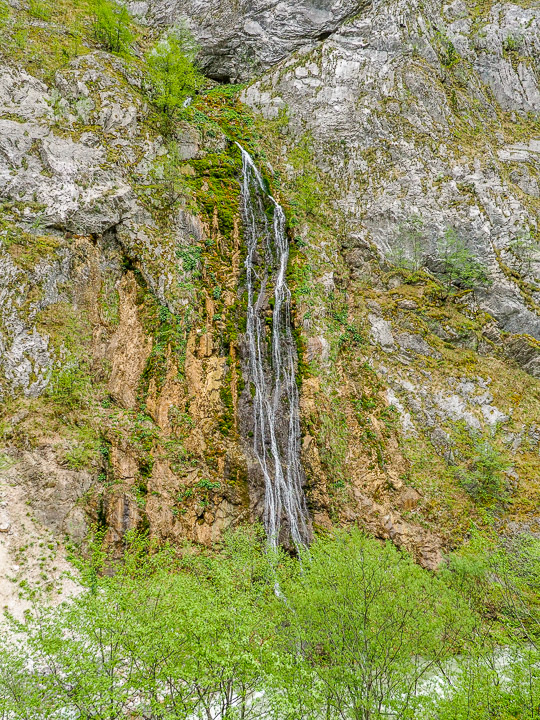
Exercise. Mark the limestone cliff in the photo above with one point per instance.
(386, 130)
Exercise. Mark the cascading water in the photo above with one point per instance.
(272, 370)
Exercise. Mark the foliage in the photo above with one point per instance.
(484, 476)
(333, 439)
(84, 449)
(408, 247)
(493, 684)
(447, 52)
(190, 257)
(39, 10)
(513, 43)
(177, 644)
(460, 267)
(371, 624)
(111, 26)
(173, 76)
(501, 575)
(70, 384)
(500, 676)
(353, 631)
(307, 195)
(350, 335)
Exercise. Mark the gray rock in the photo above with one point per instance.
(239, 39)
(407, 304)
(381, 332)
(525, 351)
(416, 343)
(375, 99)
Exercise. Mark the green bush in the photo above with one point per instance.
(170, 641)
(39, 9)
(84, 450)
(111, 26)
(484, 476)
(173, 76)
(70, 385)
(409, 246)
(460, 267)
(370, 624)
(354, 631)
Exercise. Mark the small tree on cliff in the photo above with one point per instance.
(111, 26)
(460, 268)
(173, 76)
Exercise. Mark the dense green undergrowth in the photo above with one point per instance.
(356, 630)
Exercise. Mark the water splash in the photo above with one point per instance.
(276, 431)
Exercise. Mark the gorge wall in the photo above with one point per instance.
(383, 129)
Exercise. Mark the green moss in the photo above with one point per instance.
(217, 190)
(226, 419)
(27, 248)
(83, 451)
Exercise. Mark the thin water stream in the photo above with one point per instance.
(272, 365)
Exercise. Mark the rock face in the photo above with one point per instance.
(409, 108)
(240, 39)
(389, 131)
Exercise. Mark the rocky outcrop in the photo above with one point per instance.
(237, 40)
(386, 129)
(525, 351)
(406, 108)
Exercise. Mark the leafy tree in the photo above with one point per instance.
(460, 267)
(112, 26)
(368, 624)
(353, 631)
(484, 476)
(173, 76)
(173, 640)
(408, 247)
(490, 683)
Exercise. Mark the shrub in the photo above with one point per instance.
(143, 636)
(173, 76)
(448, 53)
(190, 257)
(368, 624)
(484, 476)
(112, 26)
(39, 10)
(70, 385)
(408, 247)
(84, 450)
(459, 266)
(512, 43)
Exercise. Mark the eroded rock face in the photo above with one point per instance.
(407, 108)
(420, 119)
(240, 39)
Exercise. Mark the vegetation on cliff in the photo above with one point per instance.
(357, 630)
(354, 628)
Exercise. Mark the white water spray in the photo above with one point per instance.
(276, 432)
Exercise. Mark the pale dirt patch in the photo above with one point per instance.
(30, 555)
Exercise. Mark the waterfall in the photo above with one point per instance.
(272, 366)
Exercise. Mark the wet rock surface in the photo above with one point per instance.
(422, 120)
